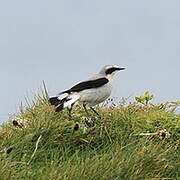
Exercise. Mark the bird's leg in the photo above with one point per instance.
(89, 120)
(84, 106)
(95, 112)
(70, 110)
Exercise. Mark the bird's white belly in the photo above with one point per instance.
(93, 97)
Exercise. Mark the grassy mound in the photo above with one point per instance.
(129, 142)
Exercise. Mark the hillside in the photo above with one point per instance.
(136, 140)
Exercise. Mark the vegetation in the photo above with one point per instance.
(138, 140)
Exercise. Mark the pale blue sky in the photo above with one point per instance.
(64, 41)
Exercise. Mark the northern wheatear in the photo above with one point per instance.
(88, 93)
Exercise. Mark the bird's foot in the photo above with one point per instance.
(90, 121)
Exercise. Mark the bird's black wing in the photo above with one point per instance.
(88, 85)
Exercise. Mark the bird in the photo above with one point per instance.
(90, 92)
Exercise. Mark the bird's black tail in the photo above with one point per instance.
(54, 101)
(59, 104)
(63, 100)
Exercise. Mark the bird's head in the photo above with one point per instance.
(110, 70)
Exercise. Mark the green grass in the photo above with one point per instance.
(48, 147)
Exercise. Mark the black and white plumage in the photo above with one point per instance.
(91, 92)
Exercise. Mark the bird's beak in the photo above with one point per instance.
(119, 69)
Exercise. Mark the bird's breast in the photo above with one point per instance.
(94, 96)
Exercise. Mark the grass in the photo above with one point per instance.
(50, 146)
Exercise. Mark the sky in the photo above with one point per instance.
(63, 42)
